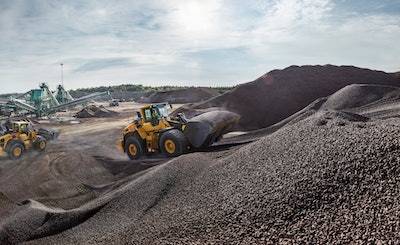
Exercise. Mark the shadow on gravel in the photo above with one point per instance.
(128, 167)
(222, 147)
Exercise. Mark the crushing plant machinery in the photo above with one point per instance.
(43, 102)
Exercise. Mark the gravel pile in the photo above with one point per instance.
(362, 95)
(95, 111)
(329, 176)
(281, 93)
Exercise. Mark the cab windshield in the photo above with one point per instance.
(162, 111)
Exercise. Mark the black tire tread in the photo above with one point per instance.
(11, 150)
(179, 139)
(139, 145)
(37, 142)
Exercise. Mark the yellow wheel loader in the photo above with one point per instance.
(20, 136)
(154, 131)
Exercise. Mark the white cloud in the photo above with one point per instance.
(184, 41)
(311, 32)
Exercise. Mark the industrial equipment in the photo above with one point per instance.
(43, 102)
(16, 137)
(154, 131)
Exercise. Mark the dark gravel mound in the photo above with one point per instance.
(189, 95)
(280, 93)
(95, 111)
(358, 95)
(356, 102)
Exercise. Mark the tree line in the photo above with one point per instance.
(139, 88)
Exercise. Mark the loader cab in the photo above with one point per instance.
(22, 129)
(154, 113)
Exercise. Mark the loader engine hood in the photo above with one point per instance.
(207, 128)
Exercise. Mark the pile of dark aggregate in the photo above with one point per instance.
(334, 182)
(95, 111)
(279, 94)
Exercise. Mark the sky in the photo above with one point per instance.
(188, 42)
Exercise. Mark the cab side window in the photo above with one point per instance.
(152, 115)
(147, 115)
(24, 129)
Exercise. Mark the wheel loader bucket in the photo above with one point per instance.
(49, 133)
(207, 128)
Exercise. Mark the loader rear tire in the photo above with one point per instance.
(133, 148)
(173, 143)
(16, 151)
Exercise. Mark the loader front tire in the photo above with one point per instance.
(173, 143)
(133, 148)
(41, 144)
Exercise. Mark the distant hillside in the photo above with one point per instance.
(280, 93)
(135, 91)
(181, 96)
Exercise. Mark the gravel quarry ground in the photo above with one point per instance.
(329, 174)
